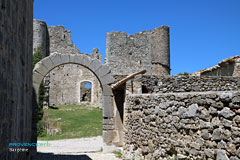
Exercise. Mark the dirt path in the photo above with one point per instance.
(74, 149)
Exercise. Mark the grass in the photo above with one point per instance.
(76, 122)
(117, 154)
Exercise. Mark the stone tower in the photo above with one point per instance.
(40, 37)
(148, 50)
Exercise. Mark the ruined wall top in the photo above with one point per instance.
(60, 40)
(144, 50)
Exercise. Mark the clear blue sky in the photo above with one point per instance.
(202, 32)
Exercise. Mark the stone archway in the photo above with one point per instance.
(101, 71)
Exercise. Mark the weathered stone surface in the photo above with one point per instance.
(17, 109)
(40, 68)
(227, 113)
(198, 84)
(56, 59)
(102, 71)
(177, 120)
(65, 58)
(48, 63)
(95, 65)
(107, 79)
(37, 77)
(221, 155)
(226, 97)
(125, 52)
(108, 104)
(217, 134)
(107, 90)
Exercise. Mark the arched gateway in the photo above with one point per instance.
(101, 71)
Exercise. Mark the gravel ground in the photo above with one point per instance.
(74, 149)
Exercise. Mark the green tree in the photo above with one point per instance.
(183, 74)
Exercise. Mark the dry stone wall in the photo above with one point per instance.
(16, 36)
(199, 125)
(166, 84)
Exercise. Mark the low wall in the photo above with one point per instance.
(166, 84)
(187, 125)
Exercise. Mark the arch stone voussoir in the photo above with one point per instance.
(40, 68)
(56, 59)
(79, 59)
(86, 61)
(71, 58)
(95, 64)
(103, 70)
(48, 63)
(107, 79)
(37, 77)
(65, 58)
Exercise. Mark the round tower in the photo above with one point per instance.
(40, 37)
(160, 51)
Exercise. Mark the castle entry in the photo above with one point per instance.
(102, 72)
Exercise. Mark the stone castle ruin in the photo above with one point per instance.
(63, 83)
(152, 115)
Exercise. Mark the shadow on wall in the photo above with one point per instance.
(61, 157)
(34, 121)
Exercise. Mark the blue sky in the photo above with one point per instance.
(202, 32)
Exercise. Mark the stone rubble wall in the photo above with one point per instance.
(166, 84)
(16, 48)
(199, 125)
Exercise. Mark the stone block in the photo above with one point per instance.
(108, 127)
(95, 64)
(48, 63)
(79, 59)
(37, 78)
(107, 106)
(108, 121)
(86, 61)
(102, 71)
(107, 79)
(56, 59)
(107, 90)
(71, 57)
(108, 136)
(40, 68)
(65, 58)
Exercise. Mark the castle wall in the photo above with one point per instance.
(148, 50)
(40, 37)
(199, 125)
(65, 85)
(16, 36)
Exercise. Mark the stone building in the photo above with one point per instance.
(227, 67)
(16, 48)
